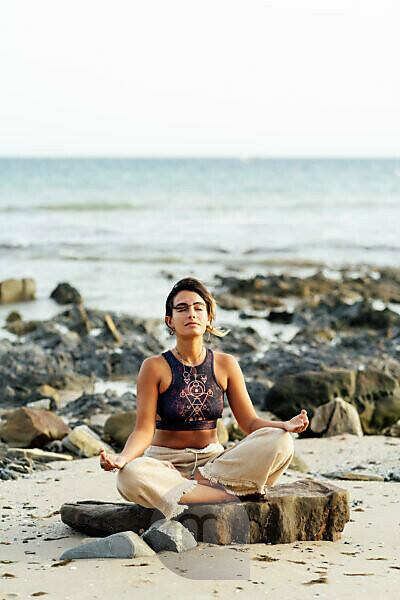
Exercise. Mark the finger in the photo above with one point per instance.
(109, 463)
(110, 466)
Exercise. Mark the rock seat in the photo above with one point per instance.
(307, 509)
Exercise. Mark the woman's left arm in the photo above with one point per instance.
(242, 406)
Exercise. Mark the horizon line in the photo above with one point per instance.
(243, 157)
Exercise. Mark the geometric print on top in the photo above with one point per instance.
(194, 399)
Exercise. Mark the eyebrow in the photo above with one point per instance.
(185, 304)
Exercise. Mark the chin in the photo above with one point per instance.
(192, 332)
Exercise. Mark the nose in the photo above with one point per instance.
(192, 311)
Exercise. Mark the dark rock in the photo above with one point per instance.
(64, 293)
(25, 367)
(14, 315)
(231, 302)
(316, 287)
(377, 399)
(363, 314)
(240, 340)
(308, 390)
(258, 388)
(305, 510)
(7, 474)
(280, 316)
(88, 405)
(375, 395)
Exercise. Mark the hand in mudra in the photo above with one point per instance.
(110, 461)
(297, 424)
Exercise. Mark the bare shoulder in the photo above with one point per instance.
(225, 361)
(153, 364)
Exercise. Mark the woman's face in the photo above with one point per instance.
(189, 314)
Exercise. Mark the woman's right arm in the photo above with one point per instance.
(146, 410)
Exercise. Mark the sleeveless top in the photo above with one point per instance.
(194, 399)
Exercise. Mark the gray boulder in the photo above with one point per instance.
(336, 417)
(126, 544)
(169, 535)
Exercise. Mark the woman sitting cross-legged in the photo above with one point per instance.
(173, 457)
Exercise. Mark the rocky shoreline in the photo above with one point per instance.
(342, 364)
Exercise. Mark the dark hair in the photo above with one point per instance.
(195, 285)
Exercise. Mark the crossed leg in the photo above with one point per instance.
(207, 491)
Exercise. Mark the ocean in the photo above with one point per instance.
(117, 228)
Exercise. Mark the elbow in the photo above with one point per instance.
(253, 424)
(247, 426)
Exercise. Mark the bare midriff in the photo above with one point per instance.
(184, 439)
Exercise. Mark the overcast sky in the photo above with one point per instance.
(204, 78)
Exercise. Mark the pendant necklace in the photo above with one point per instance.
(186, 374)
(185, 359)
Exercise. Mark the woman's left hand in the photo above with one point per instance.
(297, 424)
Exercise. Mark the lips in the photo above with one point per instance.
(189, 324)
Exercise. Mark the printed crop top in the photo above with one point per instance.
(194, 400)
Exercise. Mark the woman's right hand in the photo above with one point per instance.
(110, 461)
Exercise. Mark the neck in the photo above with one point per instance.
(191, 349)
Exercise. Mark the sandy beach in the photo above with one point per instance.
(364, 563)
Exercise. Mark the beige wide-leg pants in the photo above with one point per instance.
(160, 477)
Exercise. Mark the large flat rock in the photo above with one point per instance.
(307, 509)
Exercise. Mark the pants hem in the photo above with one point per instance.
(172, 508)
(241, 487)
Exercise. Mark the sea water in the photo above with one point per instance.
(123, 230)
